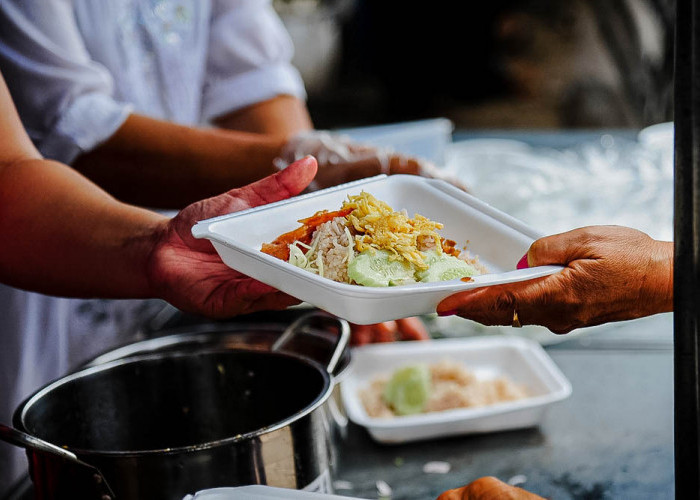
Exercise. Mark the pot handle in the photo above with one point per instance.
(298, 326)
(35, 444)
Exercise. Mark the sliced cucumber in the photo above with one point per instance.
(378, 268)
(408, 390)
(443, 267)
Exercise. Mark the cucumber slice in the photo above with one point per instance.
(443, 267)
(408, 390)
(377, 268)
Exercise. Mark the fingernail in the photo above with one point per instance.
(449, 312)
(522, 263)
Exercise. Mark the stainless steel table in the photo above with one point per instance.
(613, 438)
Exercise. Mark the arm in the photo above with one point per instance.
(612, 274)
(164, 165)
(250, 82)
(281, 116)
(60, 229)
(65, 236)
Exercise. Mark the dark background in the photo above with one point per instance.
(496, 64)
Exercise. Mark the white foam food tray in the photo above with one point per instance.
(498, 239)
(523, 361)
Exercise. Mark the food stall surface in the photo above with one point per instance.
(613, 437)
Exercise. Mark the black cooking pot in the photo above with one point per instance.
(160, 426)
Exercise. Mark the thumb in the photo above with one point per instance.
(289, 182)
(558, 249)
(279, 186)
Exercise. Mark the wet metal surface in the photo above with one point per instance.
(613, 438)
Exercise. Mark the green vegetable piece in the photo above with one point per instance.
(443, 267)
(378, 268)
(408, 390)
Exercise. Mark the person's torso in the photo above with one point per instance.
(155, 49)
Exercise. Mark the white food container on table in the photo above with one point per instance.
(523, 361)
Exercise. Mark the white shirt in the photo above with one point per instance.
(76, 69)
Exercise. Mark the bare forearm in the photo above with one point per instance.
(282, 116)
(64, 236)
(159, 164)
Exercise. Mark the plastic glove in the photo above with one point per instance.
(341, 160)
(389, 331)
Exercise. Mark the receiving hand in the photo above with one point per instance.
(612, 273)
(488, 488)
(389, 331)
(188, 273)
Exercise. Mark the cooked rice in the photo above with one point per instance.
(331, 242)
(453, 385)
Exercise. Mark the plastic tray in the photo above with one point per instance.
(524, 361)
(498, 239)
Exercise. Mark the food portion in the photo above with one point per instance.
(367, 243)
(445, 385)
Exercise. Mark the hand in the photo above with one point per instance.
(488, 488)
(389, 331)
(188, 273)
(612, 273)
(341, 160)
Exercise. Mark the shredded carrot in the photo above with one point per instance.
(280, 246)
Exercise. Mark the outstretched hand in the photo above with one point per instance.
(488, 488)
(612, 273)
(188, 273)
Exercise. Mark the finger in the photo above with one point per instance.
(564, 248)
(544, 301)
(289, 182)
(360, 334)
(493, 305)
(384, 332)
(404, 165)
(236, 306)
(330, 175)
(412, 329)
(279, 186)
(455, 494)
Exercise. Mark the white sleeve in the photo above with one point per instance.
(64, 98)
(249, 58)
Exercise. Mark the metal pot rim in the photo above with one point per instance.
(328, 379)
(173, 337)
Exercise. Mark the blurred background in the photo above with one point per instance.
(499, 64)
(558, 113)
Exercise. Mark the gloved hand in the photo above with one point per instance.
(341, 160)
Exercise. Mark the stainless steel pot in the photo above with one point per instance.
(162, 425)
(312, 335)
